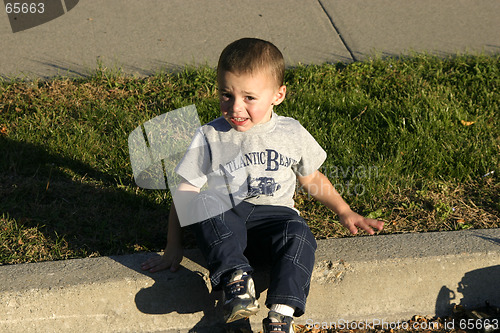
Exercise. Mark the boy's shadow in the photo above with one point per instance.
(188, 291)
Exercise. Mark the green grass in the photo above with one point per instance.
(408, 141)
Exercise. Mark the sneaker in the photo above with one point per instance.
(276, 322)
(239, 300)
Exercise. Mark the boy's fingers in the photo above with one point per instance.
(366, 227)
(369, 224)
(377, 224)
(352, 228)
(155, 264)
(364, 224)
(146, 265)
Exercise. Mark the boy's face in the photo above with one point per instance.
(248, 99)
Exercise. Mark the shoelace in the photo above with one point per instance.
(235, 287)
(278, 327)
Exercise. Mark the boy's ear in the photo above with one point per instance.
(280, 95)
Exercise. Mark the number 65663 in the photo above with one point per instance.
(25, 8)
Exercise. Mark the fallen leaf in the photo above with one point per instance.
(376, 214)
(467, 123)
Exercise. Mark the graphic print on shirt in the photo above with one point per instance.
(272, 159)
(253, 170)
(262, 186)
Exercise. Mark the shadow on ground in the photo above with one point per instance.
(163, 297)
(476, 289)
(68, 200)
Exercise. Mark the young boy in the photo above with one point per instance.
(262, 155)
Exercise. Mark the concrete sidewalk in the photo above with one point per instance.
(371, 279)
(142, 37)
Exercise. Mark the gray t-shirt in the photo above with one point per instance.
(259, 165)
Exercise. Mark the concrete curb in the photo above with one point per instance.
(372, 279)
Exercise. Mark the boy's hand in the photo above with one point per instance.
(353, 221)
(318, 185)
(171, 258)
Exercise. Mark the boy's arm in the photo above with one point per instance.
(320, 188)
(173, 253)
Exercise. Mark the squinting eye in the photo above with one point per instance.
(250, 98)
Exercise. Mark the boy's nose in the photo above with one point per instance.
(237, 105)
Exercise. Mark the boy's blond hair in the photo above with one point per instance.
(249, 55)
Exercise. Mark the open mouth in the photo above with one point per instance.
(238, 121)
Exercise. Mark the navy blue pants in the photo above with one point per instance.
(224, 237)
